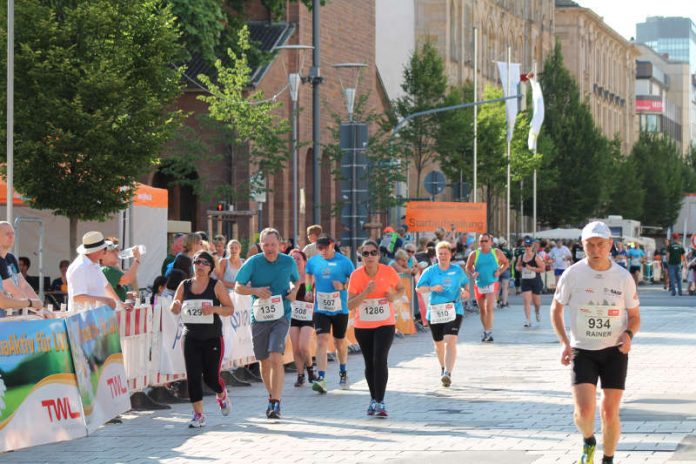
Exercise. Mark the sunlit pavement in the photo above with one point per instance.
(509, 403)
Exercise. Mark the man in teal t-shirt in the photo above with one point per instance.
(267, 277)
(329, 271)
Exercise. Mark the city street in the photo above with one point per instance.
(509, 402)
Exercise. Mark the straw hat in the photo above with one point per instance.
(91, 242)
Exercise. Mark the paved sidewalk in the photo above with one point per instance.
(509, 402)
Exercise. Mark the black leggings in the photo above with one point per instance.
(203, 357)
(375, 345)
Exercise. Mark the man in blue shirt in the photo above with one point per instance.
(329, 272)
(267, 277)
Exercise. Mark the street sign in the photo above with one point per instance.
(434, 182)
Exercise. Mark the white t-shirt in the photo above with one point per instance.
(85, 278)
(597, 302)
(561, 257)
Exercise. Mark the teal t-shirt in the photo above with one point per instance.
(275, 275)
(325, 272)
(486, 266)
(452, 279)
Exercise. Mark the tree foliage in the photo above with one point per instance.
(251, 119)
(424, 85)
(93, 86)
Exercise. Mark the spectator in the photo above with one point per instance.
(219, 245)
(158, 287)
(87, 285)
(193, 243)
(313, 232)
(390, 243)
(228, 268)
(13, 282)
(173, 281)
(119, 280)
(176, 247)
(24, 265)
(59, 286)
(400, 263)
(184, 264)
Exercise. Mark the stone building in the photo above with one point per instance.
(347, 31)
(604, 66)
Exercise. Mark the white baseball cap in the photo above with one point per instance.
(595, 229)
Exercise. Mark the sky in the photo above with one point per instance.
(623, 15)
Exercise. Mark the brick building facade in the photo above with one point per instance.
(347, 31)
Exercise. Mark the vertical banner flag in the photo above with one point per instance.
(537, 115)
(511, 106)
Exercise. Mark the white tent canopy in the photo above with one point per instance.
(557, 234)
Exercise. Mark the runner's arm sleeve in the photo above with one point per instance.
(562, 294)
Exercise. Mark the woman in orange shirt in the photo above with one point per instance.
(371, 290)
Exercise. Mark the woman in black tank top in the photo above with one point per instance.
(201, 301)
(531, 286)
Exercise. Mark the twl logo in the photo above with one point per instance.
(116, 387)
(61, 407)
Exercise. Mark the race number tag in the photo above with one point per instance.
(192, 312)
(268, 309)
(528, 274)
(302, 310)
(329, 302)
(599, 323)
(487, 289)
(442, 313)
(374, 310)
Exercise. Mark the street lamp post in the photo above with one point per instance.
(294, 81)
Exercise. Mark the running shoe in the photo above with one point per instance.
(197, 422)
(274, 413)
(381, 410)
(538, 315)
(300, 380)
(484, 337)
(311, 373)
(343, 381)
(489, 337)
(446, 379)
(269, 409)
(319, 386)
(372, 408)
(587, 454)
(527, 324)
(224, 404)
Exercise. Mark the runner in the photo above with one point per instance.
(485, 266)
(620, 255)
(561, 259)
(372, 288)
(201, 301)
(267, 276)
(636, 258)
(505, 277)
(301, 324)
(604, 316)
(530, 265)
(446, 285)
(330, 272)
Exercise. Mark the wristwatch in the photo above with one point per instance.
(630, 333)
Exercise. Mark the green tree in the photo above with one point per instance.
(582, 153)
(94, 86)
(424, 85)
(252, 120)
(660, 167)
(627, 193)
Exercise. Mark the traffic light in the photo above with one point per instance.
(220, 206)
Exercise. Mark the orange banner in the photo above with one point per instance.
(426, 216)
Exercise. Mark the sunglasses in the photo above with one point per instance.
(202, 262)
(483, 241)
(411, 252)
(370, 253)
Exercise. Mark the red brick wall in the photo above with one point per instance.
(347, 35)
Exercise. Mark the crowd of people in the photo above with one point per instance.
(297, 292)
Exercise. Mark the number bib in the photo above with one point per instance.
(487, 289)
(329, 302)
(527, 274)
(442, 313)
(192, 312)
(269, 309)
(302, 310)
(597, 323)
(374, 310)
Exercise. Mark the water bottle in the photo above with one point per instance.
(128, 252)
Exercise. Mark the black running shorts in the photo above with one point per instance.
(609, 365)
(324, 324)
(438, 331)
(532, 285)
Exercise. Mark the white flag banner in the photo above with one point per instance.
(537, 115)
(511, 106)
